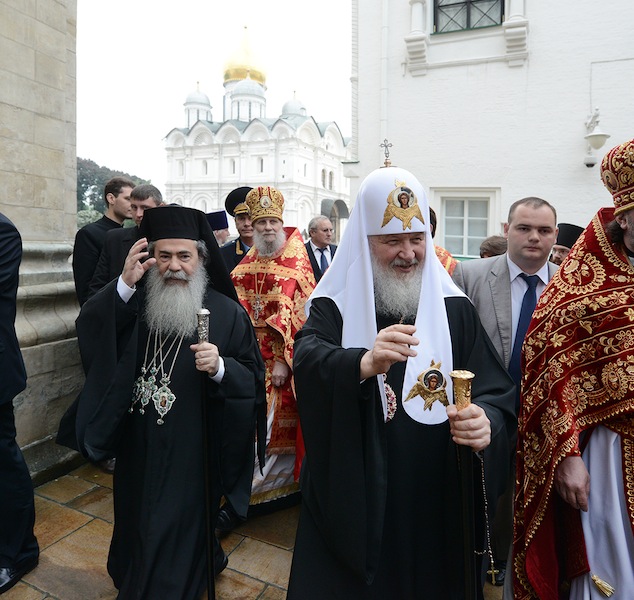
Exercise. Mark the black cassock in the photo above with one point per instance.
(381, 501)
(158, 544)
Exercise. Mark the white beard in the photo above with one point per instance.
(171, 308)
(265, 248)
(396, 294)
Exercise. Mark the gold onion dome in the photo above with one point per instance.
(242, 65)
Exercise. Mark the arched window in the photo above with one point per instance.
(181, 168)
(261, 165)
(233, 166)
(205, 167)
(323, 178)
(305, 169)
(331, 180)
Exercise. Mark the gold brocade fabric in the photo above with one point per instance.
(274, 291)
(578, 373)
(446, 259)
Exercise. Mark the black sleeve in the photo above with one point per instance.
(342, 425)
(85, 256)
(239, 405)
(107, 335)
(101, 275)
(11, 363)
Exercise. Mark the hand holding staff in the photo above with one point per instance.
(463, 408)
(468, 422)
(203, 337)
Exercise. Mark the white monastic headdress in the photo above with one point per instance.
(349, 282)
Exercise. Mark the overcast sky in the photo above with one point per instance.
(137, 60)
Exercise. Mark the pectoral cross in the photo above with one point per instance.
(493, 572)
(257, 308)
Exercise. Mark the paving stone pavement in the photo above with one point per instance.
(74, 519)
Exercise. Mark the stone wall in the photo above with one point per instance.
(38, 189)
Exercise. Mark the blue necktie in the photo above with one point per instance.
(526, 312)
(323, 264)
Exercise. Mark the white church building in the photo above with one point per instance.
(301, 157)
(490, 101)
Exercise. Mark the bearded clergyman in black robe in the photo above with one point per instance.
(147, 379)
(382, 495)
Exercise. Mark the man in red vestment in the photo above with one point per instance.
(273, 282)
(574, 507)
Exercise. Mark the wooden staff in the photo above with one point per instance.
(462, 398)
(203, 336)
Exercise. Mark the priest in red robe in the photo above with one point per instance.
(273, 282)
(575, 463)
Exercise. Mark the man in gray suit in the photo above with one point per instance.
(497, 287)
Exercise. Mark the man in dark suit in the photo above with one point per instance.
(19, 549)
(233, 252)
(119, 241)
(90, 238)
(497, 286)
(320, 250)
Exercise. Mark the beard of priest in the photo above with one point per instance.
(397, 280)
(173, 298)
(267, 244)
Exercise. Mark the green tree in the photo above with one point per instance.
(91, 179)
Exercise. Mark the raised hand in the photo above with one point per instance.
(133, 268)
(391, 345)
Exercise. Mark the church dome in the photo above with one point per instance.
(242, 65)
(197, 97)
(248, 87)
(294, 107)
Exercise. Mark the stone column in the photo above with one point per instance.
(38, 180)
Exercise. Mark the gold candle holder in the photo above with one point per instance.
(461, 387)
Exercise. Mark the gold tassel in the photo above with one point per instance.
(604, 587)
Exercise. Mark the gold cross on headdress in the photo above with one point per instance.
(386, 146)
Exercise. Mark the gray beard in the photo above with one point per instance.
(171, 309)
(265, 248)
(396, 295)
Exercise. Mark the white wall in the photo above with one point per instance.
(472, 121)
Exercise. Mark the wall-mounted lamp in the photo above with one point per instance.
(595, 138)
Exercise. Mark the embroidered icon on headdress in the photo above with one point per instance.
(430, 386)
(265, 202)
(402, 204)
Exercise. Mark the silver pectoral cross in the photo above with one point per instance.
(257, 308)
